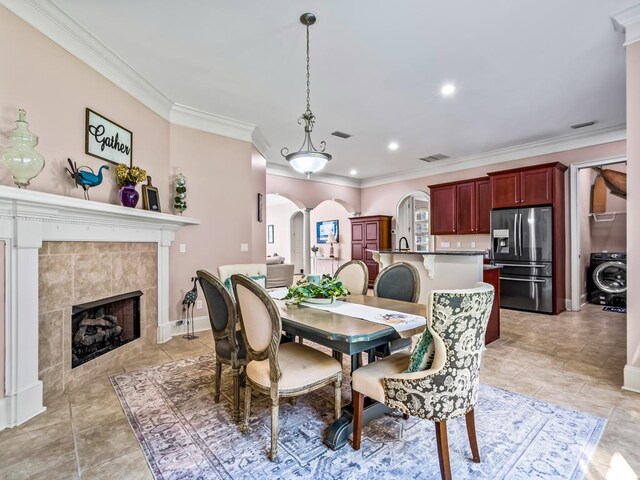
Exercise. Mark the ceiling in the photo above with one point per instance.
(524, 71)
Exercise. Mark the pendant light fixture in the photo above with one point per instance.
(308, 159)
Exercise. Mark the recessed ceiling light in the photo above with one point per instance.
(393, 146)
(448, 89)
(353, 171)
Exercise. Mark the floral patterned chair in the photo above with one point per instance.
(449, 387)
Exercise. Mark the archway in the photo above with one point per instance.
(413, 222)
(284, 229)
(330, 214)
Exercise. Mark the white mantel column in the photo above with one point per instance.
(306, 240)
(628, 20)
(164, 327)
(23, 389)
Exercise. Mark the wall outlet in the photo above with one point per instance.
(183, 248)
(179, 323)
(473, 244)
(459, 244)
(199, 304)
(445, 244)
(244, 247)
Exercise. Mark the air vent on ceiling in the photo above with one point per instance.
(582, 125)
(340, 134)
(435, 157)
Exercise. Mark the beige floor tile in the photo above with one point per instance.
(132, 466)
(150, 356)
(100, 444)
(178, 348)
(58, 411)
(104, 411)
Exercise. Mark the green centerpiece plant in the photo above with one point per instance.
(326, 291)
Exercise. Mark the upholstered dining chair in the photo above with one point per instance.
(448, 388)
(274, 369)
(355, 276)
(229, 344)
(399, 281)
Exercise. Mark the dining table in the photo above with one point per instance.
(348, 335)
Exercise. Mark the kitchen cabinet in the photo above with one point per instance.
(525, 187)
(370, 233)
(461, 207)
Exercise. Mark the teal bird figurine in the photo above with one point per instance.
(85, 178)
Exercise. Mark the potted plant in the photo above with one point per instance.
(315, 250)
(324, 292)
(127, 178)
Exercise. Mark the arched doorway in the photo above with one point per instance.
(297, 241)
(413, 223)
(284, 229)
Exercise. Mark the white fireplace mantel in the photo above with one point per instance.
(27, 218)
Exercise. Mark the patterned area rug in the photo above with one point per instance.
(185, 435)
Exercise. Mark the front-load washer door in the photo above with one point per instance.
(611, 277)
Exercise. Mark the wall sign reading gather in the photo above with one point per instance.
(107, 140)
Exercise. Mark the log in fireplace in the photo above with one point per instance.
(104, 325)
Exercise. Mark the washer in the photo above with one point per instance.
(607, 280)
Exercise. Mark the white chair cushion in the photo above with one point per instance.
(368, 379)
(300, 365)
(248, 269)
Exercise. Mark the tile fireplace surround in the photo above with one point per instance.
(49, 238)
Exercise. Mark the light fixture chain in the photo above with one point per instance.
(308, 75)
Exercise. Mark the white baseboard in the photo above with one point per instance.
(17, 409)
(631, 378)
(200, 324)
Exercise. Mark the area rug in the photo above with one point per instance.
(615, 309)
(185, 435)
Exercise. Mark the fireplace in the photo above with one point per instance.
(102, 326)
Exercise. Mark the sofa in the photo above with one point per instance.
(279, 274)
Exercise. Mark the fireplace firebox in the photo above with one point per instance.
(104, 325)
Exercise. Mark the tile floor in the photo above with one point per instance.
(575, 360)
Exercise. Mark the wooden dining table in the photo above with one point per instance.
(347, 335)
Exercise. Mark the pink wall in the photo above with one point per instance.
(54, 88)
(259, 185)
(309, 193)
(633, 203)
(329, 210)
(220, 192)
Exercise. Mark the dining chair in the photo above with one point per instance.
(229, 344)
(274, 369)
(399, 281)
(355, 276)
(255, 271)
(448, 388)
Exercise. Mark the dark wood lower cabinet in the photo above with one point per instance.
(492, 277)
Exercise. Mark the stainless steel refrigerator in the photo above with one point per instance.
(522, 243)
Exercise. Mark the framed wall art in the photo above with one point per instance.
(150, 197)
(260, 206)
(107, 140)
(325, 228)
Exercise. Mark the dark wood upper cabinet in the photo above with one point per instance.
(466, 214)
(370, 233)
(443, 209)
(524, 187)
(483, 205)
(461, 207)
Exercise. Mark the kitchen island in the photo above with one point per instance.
(438, 270)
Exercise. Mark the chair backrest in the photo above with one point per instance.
(355, 276)
(457, 321)
(260, 322)
(400, 281)
(248, 269)
(222, 310)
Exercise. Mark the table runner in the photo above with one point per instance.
(401, 322)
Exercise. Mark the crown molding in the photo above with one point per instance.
(628, 21)
(54, 23)
(210, 122)
(286, 171)
(518, 152)
(260, 142)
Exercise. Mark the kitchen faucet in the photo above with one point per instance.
(406, 242)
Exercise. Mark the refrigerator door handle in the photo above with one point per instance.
(520, 233)
(511, 279)
(515, 232)
(519, 265)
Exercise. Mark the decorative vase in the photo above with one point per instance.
(129, 196)
(180, 193)
(19, 156)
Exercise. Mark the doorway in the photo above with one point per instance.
(604, 231)
(297, 234)
(412, 222)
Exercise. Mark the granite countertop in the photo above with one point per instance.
(491, 267)
(395, 250)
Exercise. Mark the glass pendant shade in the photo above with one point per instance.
(308, 162)
(19, 156)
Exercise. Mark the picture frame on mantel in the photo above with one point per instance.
(105, 139)
(150, 197)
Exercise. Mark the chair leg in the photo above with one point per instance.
(293, 401)
(216, 397)
(471, 431)
(274, 428)
(443, 450)
(358, 407)
(337, 399)
(405, 416)
(236, 394)
(247, 407)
